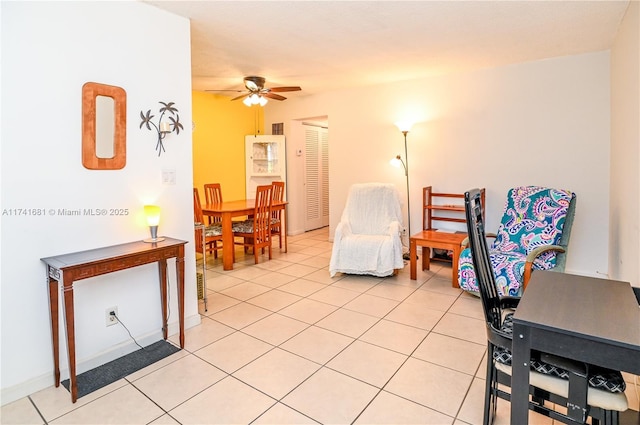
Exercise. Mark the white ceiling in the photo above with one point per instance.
(329, 45)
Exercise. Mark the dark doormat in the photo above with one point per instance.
(108, 373)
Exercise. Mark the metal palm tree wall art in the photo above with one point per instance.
(163, 127)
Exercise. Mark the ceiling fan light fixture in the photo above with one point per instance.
(255, 99)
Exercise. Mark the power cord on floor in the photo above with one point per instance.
(113, 313)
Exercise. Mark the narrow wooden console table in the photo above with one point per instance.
(68, 268)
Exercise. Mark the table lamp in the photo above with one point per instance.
(152, 213)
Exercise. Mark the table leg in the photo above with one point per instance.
(413, 259)
(180, 289)
(283, 228)
(55, 334)
(71, 335)
(426, 258)
(227, 242)
(162, 271)
(520, 375)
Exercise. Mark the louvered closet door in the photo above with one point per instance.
(324, 182)
(316, 177)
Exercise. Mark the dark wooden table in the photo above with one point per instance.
(593, 320)
(68, 268)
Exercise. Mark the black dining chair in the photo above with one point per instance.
(585, 390)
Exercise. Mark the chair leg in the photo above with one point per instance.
(490, 391)
(256, 254)
(577, 398)
(610, 417)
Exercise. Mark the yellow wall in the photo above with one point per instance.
(218, 142)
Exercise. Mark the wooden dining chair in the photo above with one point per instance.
(212, 232)
(276, 213)
(256, 232)
(213, 195)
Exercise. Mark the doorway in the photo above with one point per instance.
(316, 137)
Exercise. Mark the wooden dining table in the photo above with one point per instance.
(227, 210)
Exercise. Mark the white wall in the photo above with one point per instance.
(541, 123)
(49, 50)
(624, 238)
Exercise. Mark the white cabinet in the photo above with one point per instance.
(265, 161)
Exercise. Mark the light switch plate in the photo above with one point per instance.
(169, 177)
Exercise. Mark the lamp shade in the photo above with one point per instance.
(152, 213)
(404, 126)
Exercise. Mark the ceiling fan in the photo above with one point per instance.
(256, 93)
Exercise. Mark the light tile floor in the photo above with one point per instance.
(284, 343)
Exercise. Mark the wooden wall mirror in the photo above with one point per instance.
(104, 127)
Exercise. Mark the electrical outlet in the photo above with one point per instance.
(110, 316)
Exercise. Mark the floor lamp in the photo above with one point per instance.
(405, 127)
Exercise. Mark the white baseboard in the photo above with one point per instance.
(16, 392)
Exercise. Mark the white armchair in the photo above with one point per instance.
(367, 238)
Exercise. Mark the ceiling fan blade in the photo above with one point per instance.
(242, 96)
(281, 89)
(273, 96)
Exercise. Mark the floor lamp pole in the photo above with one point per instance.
(404, 127)
(407, 255)
(406, 173)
